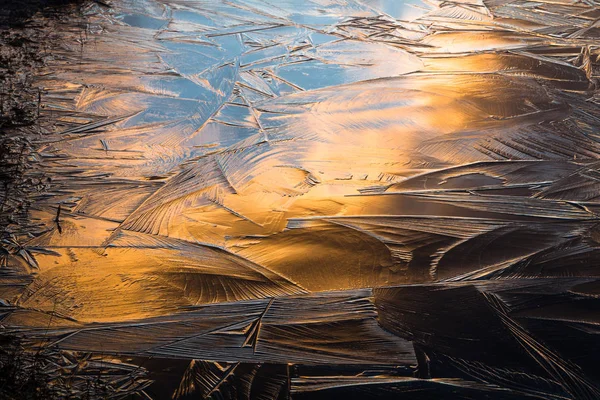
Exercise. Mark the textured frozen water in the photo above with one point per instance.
(342, 183)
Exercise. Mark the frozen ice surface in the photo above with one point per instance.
(372, 197)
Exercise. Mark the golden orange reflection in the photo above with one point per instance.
(171, 203)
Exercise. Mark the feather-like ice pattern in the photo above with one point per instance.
(317, 199)
(327, 328)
